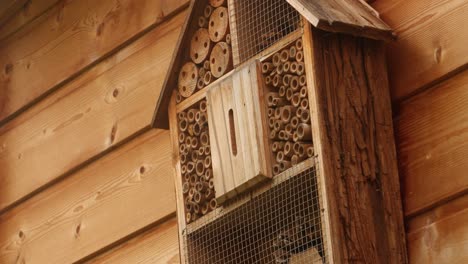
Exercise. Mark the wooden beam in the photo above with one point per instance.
(431, 43)
(357, 152)
(90, 115)
(440, 235)
(71, 39)
(431, 130)
(115, 196)
(9, 8)
(158, 245)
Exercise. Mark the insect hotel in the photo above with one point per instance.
(281, 126)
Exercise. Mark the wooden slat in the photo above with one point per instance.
(41, 56)
(432, 129)
(440, 235)
(89, 115)
(159, 245)
(346, 16)
(9, 8)
(117, 195)
(33, 9)
(432, 41)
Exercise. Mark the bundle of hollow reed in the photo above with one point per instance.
(210, 50)
(288, 107)
(195, 161)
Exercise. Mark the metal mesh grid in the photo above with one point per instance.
(280, 225)
(260, 24)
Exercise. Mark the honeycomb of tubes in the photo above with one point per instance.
(289, 122)
(195, 161)
(210, 55)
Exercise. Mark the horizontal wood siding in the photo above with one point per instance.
(93, 113)
(74, 35)
(115, 196)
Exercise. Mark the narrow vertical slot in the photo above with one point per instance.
(233, 132)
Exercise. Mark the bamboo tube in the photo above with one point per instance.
(277, 146)
(289, 129)
(188, 142)
(178, 97)
(209, 194)
(201, 151)
(294, 83)
(204, 139)
(299, 45)
(270, 97)
(295, 137)
(286, 79)
(201, 118)
(190, 130)
(271, 123)
(182, 148)
(187, 177)
(303, 92)
(292, 52)
(284, 165)
(276, 60)
(183, 169)
(278, 125)
(304, 132)
(305, 117)
(208, 174)
(287, 113)
(296, 100)
(295, 159)
(277, 113)
(194, 143)
(305, 147)
(273, 135)
(193, 181)
(305, 103)
(183, 124)
(279, 70)
(289, 94)
(195, 210)
(191, 115)
(282, 91)
(203, 106)
(197, 129)
(284, 55)
(194, 156)
(198, 198)
(280, 102)
(310, 152)
(288, 149)
(300, 56)
(279, 156)
(208, 10)
(267, 67)
(185, 188)
(202, 22)
(181, 138)
(207, 78)
(183, 158)
(293, 68)
(276, 80)
(188, 217)
(207, 150)
(299, 112)
(302, 80)
(276, 169)
(268, 80)
(286, 67)
(207, 162)
(207, 65)
(200, 83)
(211, 183)
(294, 122)
(201, 72)
(283, 135)
(271, 112)
(213, 204)
(205, 208)
(182, 115)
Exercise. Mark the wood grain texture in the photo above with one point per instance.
(159, 245)
(346, 16)
(31, 10)
(431, 129)
(432, 40)
(9, 8)
(359, 162)
(41, 56)
(93, 113)
(440, 235)
(119, 194)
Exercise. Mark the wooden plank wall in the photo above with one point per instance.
(84, 179)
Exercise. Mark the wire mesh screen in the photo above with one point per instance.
(260, 24)
(281, 225)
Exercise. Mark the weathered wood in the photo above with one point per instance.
(158, 245)
(220, 59)
(118, 195)
(88, 116)
(9, 8)
(345, 16)
(431, 129)
(431, 42)
(440, 235)
(30, 11)
(67, 30)
(218, 25)
(238, 139)
(357, 152)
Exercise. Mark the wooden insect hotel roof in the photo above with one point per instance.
(354, 17)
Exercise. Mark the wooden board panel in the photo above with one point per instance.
(42, 56)
(440, 235)
(238, 146)
(89, 115)
(33, 9)
(159, 245)
(432, 129)
(8, 8)
(115, 196)
(357, 152)
(432, 40)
